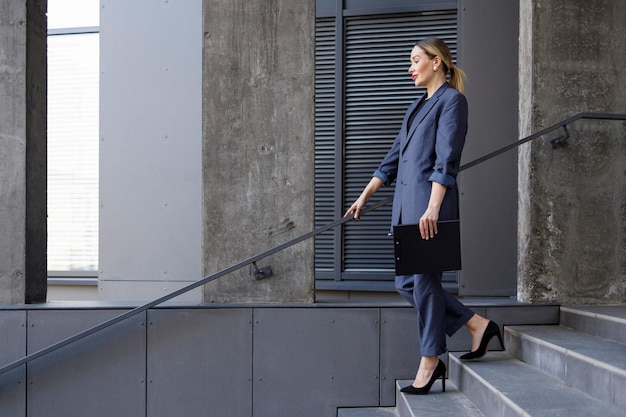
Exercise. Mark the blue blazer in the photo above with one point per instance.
(427, 150)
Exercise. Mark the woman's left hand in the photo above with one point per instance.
(428, 223)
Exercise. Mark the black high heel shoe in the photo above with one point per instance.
(440, 371)
(492, 330)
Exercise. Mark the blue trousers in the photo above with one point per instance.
(438, 313)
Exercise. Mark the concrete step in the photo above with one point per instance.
(436, 403)
(500, 385)
(604, 321)
(592, 364)
(367, 412)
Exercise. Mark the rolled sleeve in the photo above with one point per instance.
(451, 132)
(382, 176)
(388, 169)
(443, 179)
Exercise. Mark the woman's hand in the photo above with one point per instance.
(356, 208)
(369, 190)
(428, 223)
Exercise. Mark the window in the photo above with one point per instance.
(73, 83)
(362, 91)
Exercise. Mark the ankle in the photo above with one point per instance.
(476, 323)
(429, 362)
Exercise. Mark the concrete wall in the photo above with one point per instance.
(23, 151)
(258, 96)
(572, 216)
(150, 149)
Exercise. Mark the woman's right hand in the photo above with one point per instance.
(356, 208)
(373, 186)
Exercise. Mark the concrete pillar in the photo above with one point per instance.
(572, 216)
(23, 269)
(258, 145)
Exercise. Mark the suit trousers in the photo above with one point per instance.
(438, 312)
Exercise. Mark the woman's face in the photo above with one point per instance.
(422, 66)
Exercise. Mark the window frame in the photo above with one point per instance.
(74, 277)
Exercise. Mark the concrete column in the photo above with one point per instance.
(572, 216)
(23, 269)
(258, 145)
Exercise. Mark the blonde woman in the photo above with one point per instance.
(424, 161)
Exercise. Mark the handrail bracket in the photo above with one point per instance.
(561, 140)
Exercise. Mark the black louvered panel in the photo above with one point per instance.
(378, 89)
(326, 177)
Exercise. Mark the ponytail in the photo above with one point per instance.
(457, 78)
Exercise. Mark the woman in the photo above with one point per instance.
(424, 161)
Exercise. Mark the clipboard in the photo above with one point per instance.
(414, 255)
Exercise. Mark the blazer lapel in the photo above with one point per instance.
(409, 112)
(421, 114)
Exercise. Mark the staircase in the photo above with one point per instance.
(577, 368)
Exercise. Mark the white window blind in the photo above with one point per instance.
(73, 116)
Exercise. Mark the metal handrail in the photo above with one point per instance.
(555, 142)
(265, 254)
(212, 277)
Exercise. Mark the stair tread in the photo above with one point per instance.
(367, 412)
(531, 391)
(437, 403)
(594, 348)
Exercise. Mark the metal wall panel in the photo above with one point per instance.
(12, 348)
(102, 375)
(235, 361)
(150, 146)
(399, 350)
(489, 242)
(200, 362)
(309, 361)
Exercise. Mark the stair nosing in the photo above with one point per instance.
(593, 315)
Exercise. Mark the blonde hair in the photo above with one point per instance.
(436, 47)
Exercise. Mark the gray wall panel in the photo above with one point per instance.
(488, 52)
(102, 375)
(12, 348)
(399, 350)
(221, 361)
(308, 362)
(201, 359)
(150, 149)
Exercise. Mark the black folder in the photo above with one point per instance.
(415, 255)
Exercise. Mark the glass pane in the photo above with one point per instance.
(73, 83)
(73, 13)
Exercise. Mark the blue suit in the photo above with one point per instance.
(426, 150)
